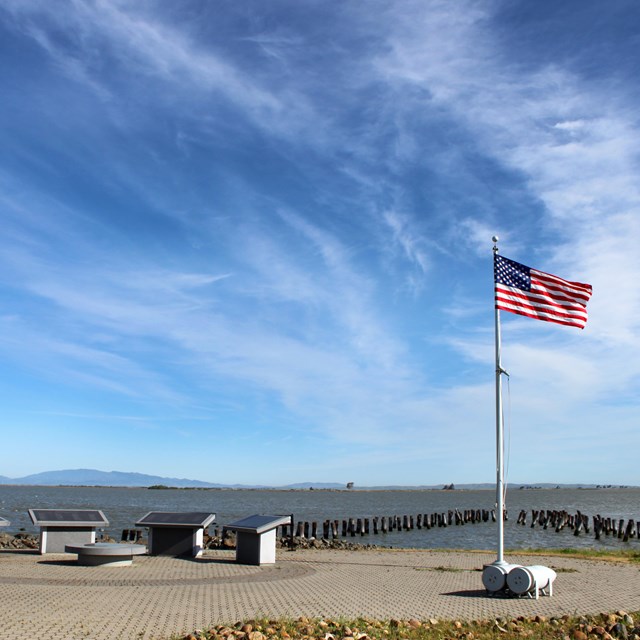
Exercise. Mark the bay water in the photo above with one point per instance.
(124, 506)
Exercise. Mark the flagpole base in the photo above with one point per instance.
(494, 575)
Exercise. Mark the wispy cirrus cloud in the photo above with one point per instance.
(573, 145)
(283, 220)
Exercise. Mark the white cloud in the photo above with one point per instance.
(291, 298)
(587, 181)
(411, 243)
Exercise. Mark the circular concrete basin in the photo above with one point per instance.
(109, 554)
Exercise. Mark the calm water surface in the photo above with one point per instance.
(123, 506)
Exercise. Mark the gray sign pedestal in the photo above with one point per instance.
(256, 538)
(62, 527)
(174, 533)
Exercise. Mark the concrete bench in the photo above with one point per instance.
(256, 538)
(61, 527)
(105, 554)
(175, 533)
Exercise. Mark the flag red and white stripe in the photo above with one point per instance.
(536, 294)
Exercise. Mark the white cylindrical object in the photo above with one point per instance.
(522, 580)
(494, 576)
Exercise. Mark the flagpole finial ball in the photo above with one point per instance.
(495, 239)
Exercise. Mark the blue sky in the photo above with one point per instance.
(250, 242)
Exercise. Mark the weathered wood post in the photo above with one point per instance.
(585, 522)
(547, 517)
(578, 526)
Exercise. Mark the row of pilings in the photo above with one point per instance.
(333, 529)
(580, 523)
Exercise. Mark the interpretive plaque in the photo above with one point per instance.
(176, 533)
(256, 538)
(62, 527)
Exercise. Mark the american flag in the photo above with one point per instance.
(539, 295)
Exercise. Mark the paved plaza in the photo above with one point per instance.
(52, 597)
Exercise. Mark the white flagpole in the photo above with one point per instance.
(499, 433)
(494, 575)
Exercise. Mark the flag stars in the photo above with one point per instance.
(512, 274)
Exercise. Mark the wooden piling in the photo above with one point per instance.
(577, 527)
(597, 526)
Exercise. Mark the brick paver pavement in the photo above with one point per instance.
(52, 597)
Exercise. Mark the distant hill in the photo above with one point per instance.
(95, 478)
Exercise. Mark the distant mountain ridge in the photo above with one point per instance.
(96, 478)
